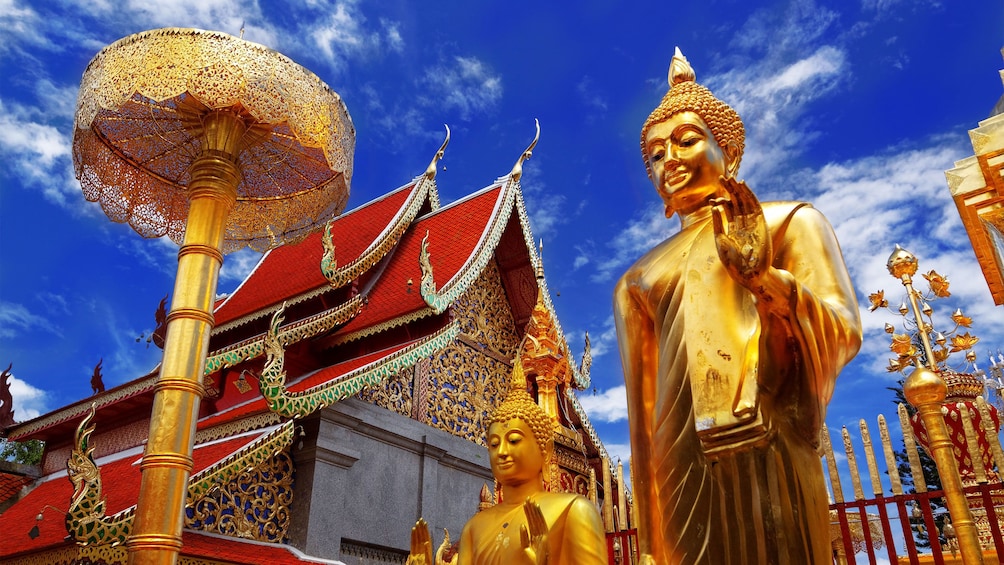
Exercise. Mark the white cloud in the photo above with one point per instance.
(19, 24)
(39, 152)
(17, 318)
(160, 253)
(238, 265)
(601, 342)
(820, 67)
(344, 35)
(771, 96)
(392, 35)
(546, 208)
(607, 406)
(28, 402)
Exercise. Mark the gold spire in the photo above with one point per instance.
(542, 353)
(430, 171)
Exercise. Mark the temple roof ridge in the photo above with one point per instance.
(462, 200)
(22, 430)
(423, 191)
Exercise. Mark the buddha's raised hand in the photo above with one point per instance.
(533, 536)
(421, 544)
(744, 245)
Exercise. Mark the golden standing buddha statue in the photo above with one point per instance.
(530, 526)
(732, 333)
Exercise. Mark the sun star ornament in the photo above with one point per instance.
(906, 345)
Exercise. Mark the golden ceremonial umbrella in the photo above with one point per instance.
(217, 143)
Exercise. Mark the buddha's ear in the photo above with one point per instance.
(732, 157)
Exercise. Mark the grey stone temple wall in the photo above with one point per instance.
(364, 475)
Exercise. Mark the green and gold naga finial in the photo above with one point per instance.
(85, 520)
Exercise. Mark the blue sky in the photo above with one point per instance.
(858, 107)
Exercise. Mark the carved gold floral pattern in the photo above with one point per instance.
(255, 505)
(394, 394)
(466, 383)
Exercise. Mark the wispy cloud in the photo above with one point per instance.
(237, 266)
(20, 24)
(464, 84)
(39, 153)
(17, 318)
(160, 253)
(771, 97)
(591, 96)
(344, 35)
(641, 234)
(546, 208)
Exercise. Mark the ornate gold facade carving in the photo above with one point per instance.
(483, 314)
(394, 394)
(255, 505)
(466, 383)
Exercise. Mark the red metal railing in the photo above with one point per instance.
(622, 547)
(860, 520)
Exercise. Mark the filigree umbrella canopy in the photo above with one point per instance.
(218, 143)
(141, 122)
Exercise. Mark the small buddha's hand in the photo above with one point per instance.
(533, 536)
(741, 234)
(421, 545)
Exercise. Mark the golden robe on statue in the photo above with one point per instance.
(726, 509)
(574, 536)
(731, 338)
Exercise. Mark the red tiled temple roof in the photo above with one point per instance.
(11, 484)
(454, 232)
(290, 270)
(120, 478)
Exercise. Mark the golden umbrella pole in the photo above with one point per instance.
(167, 463)
(926, 390)
(218, 143)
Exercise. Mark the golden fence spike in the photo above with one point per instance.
(916, 470)
(890, 457)
(972, 443)
(852, 464)
(987, 422)
(608, 496)
(873, 473)
(831, 465)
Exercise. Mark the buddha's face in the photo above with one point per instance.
(514, 454)
(686, 162)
